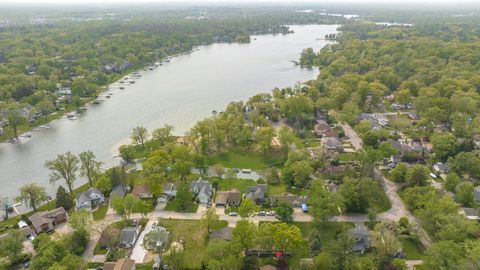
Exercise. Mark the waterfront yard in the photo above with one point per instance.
(244, 159)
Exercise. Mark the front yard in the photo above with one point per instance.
(172, 205)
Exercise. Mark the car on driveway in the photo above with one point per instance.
(233, 214)
(262, 213)
(271, 213)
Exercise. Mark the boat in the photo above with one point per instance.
(122, 81)
(150, 68)
(108, 96)
(73, 118)
(11, 140)
(132, 81)
(44, 126)
(26, 135)
(97, 101)
(82, 109)
(121, 87)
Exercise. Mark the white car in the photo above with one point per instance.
(233, 214)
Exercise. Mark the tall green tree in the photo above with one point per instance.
(324, 204)
(63, 199)
(90, 168)
(245, 233)
(64, 167)
(139, 135)
(32, 195)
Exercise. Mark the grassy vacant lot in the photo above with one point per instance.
(240, 184)
(100, 213)
(243, 159)
(277, 189)
(194, 237)
(413, 249)
(173, 206)
(327, 232)
(347, 157)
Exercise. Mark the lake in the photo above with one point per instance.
(180, 92)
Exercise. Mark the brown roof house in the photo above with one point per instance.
(332, 143)
(294, 200)
(321, 127)
(122, 264)
(46, 221)
(231, 197)
(143, 191)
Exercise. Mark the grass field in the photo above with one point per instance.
(244, 160)
(193, 236)
(173, 206)
(277, 189)
(100, 213)
(240, 184)
(327, 232)
(412, 248)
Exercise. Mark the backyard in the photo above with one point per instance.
(244, 160)
(193, 237)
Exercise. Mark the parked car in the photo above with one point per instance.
(271, 213)
(262, 213)
(233, 214)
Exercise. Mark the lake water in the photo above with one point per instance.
(179, 93)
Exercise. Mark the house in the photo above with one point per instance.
(89, 199)
(332, 143)
(122, 264)
(440, 168)
(128, 236)
(202, 189)
(142, 191)
(46, 221)
(231, 197)
(119, 190)
(170, 190)
(361, 240)
(293, 200)
(470, 213)
(223, 234)
(377, 121)
(257, 193)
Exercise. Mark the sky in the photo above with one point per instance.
(243, 1)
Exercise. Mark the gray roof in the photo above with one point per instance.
(88, 195)
(362, 241)
(128, 234)
(119, 190)
(256, 192)
(201, 187)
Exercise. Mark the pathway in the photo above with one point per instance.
(353, 136)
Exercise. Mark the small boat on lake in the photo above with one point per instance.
(26, 135)
(121, 88)
(132, 81)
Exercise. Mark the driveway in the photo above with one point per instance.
(138, 251)
(354, 138)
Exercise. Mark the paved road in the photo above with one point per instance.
(354, 138)
(399, 208)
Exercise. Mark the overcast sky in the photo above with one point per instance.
(245, 1)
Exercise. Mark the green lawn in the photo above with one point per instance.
(240, 184)
(243, 160)
(173, 206)
(100, 213)
(193, 236)
(347, 157)
(146, 266)
(327, 232)
(412, 248)
(276, 189)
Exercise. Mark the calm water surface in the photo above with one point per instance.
(179, 93)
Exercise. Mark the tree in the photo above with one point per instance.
(444, 145)
(323, 261)
(283, 237)
(81, 220)
(264, 137)
(285, 136)
(63, 199)
(417, 175)
(385, 243)
(247, 208)
(297, 173)
(444, 255)
(124, 206)
(210, 220)
(176, 259)
(11, 246)
(65, 166)
(399, 173)
(162, 135)
(222, 255)
(32, 195)
(466, 163)
(245, 233)
(323, 203)
(15, 119)
(184, 198)
(341, 251)
(315, 243)
(90, 168)
(465, 194)
(139, 135)
(142, 207)
(370, 139)
(284, 212)
(451, 182)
